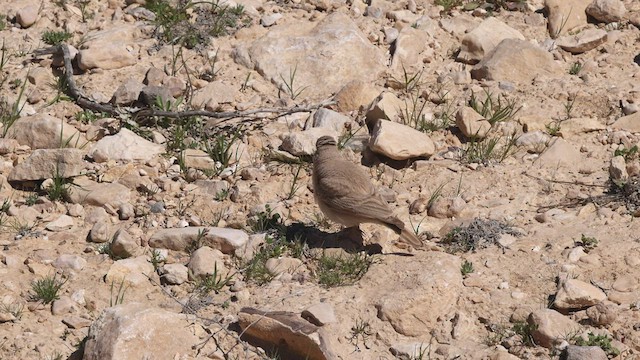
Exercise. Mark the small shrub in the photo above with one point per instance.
(360, 332)
(55, 37)
(525, 331)
(47, 289)
(478, 234)
(221, 149)
(588, 243)
(342, 270)
(466, 268)
(628, 154)
(575, 68)
(255, 270)
(156, 259)
(213, 282)
(448, 5)
(602, 341)
(494, 110)
(267, 221)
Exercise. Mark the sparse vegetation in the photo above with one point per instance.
(525, 331)
(213, 282)
(575, 68)
(342, 270)
(479, 234)
(289, 84)
(117, 298)
(602, 341)
(494, 110)
(588, 243)
(156, 259)
(360, 332)
(489, 150)
(466, 268)
(47, 289)
(255, 270)
(448, 5)
(267, 221)
(55, 37)
(628, 154)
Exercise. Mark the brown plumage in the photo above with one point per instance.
(346, 195)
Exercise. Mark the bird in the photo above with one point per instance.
(346, 195)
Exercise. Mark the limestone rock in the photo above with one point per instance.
(138, 331)
(63, 305)
(577, 294)
(566, 15)
(387, 107)
(320, 314)
(607, 11)
(124, 146)
(207, 261)
(48, 163)
(132, 271)
(552, 327)
(214, 94)
(400, 142)
(124, 245)
(305, 340)
(413, 48)
(356, 94)
(88, 192)
(333, 52)
(106, 56)
(43, 131)
(179, 239)
(434, 286)
(174, 274)
(63, 222)
(70, 262)
(603, 314)
(575, 352)
(618, 169)
(325, 118)
(197, 159)
(484, 38)
(560, 153)
(282, 265)
(100, 232)
(472, 124)
(583, 41)
(127, 93)
(8, 146)
(447, 207)
(303, 143)
(27, 16)
(516, 61)
(630, 123)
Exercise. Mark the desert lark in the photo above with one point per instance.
(346, 195)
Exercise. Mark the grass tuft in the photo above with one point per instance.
(342, 270)
(47, 289)
(479, 234)
(55, 37)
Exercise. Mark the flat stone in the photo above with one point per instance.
(125, 146)
(560, 153)
(334, 51)
(48, 163)
(282, 265)
(76, 322)
(179, 239)
(577, 294)
(88, 192)
(138, 331)
(484, 38)
(630, 123)
(43, 131)
(516, 61)
(607, 11)
(197, 159)
(303, 143)
(131, 272)
(566, 15)
(214, 94)
(387, 107)
(574, 352)
(472, 124)
(106, 56)
(400, 142)
(551, 327)
(207, 261)
(63, 222)
(325, 118)
(603, 314)
(174, 274)
(64, 305)
(320, 314)
(70, 262)
(583, 41)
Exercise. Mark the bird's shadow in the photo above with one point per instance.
(350, 239)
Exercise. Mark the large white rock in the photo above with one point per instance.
(484, 38)
(223, 239)
(551, 327)
(44, 131)
(124, 146)
(607, 10)
(566, 15)
(400, 142)
(49, 163)
(324, 57)
(577, 294)
(583, 41)
(137, 331)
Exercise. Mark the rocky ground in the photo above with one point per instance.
(505, 133)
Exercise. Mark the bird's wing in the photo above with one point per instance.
(359, 198)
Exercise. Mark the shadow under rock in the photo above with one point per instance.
(350, 240)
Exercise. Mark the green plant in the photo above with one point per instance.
(255, 270)
(554, 127)
(83, 5)
(55, 37)
(191, 23)
(15, 309)
(156, 259)
(198, 242)
(568, 107)
(494, 110)
(222, 150)
(448, 5)
(435, 195)
(31, 200)
(488, 150)
(588, 243)
(222, 195)
(10, 113)
(575, 68)
(88, 116)
(466, 268)
(46, 289)
(342, 270)
(295, 186)
(61, 86)
(628, 154)
(3, 22)
(59, 187)
(525, 331)
(6, 204)
(289, 84)
(213, 282)
(602, 341)
(119, 295)
(360, 331)
(267, 221)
